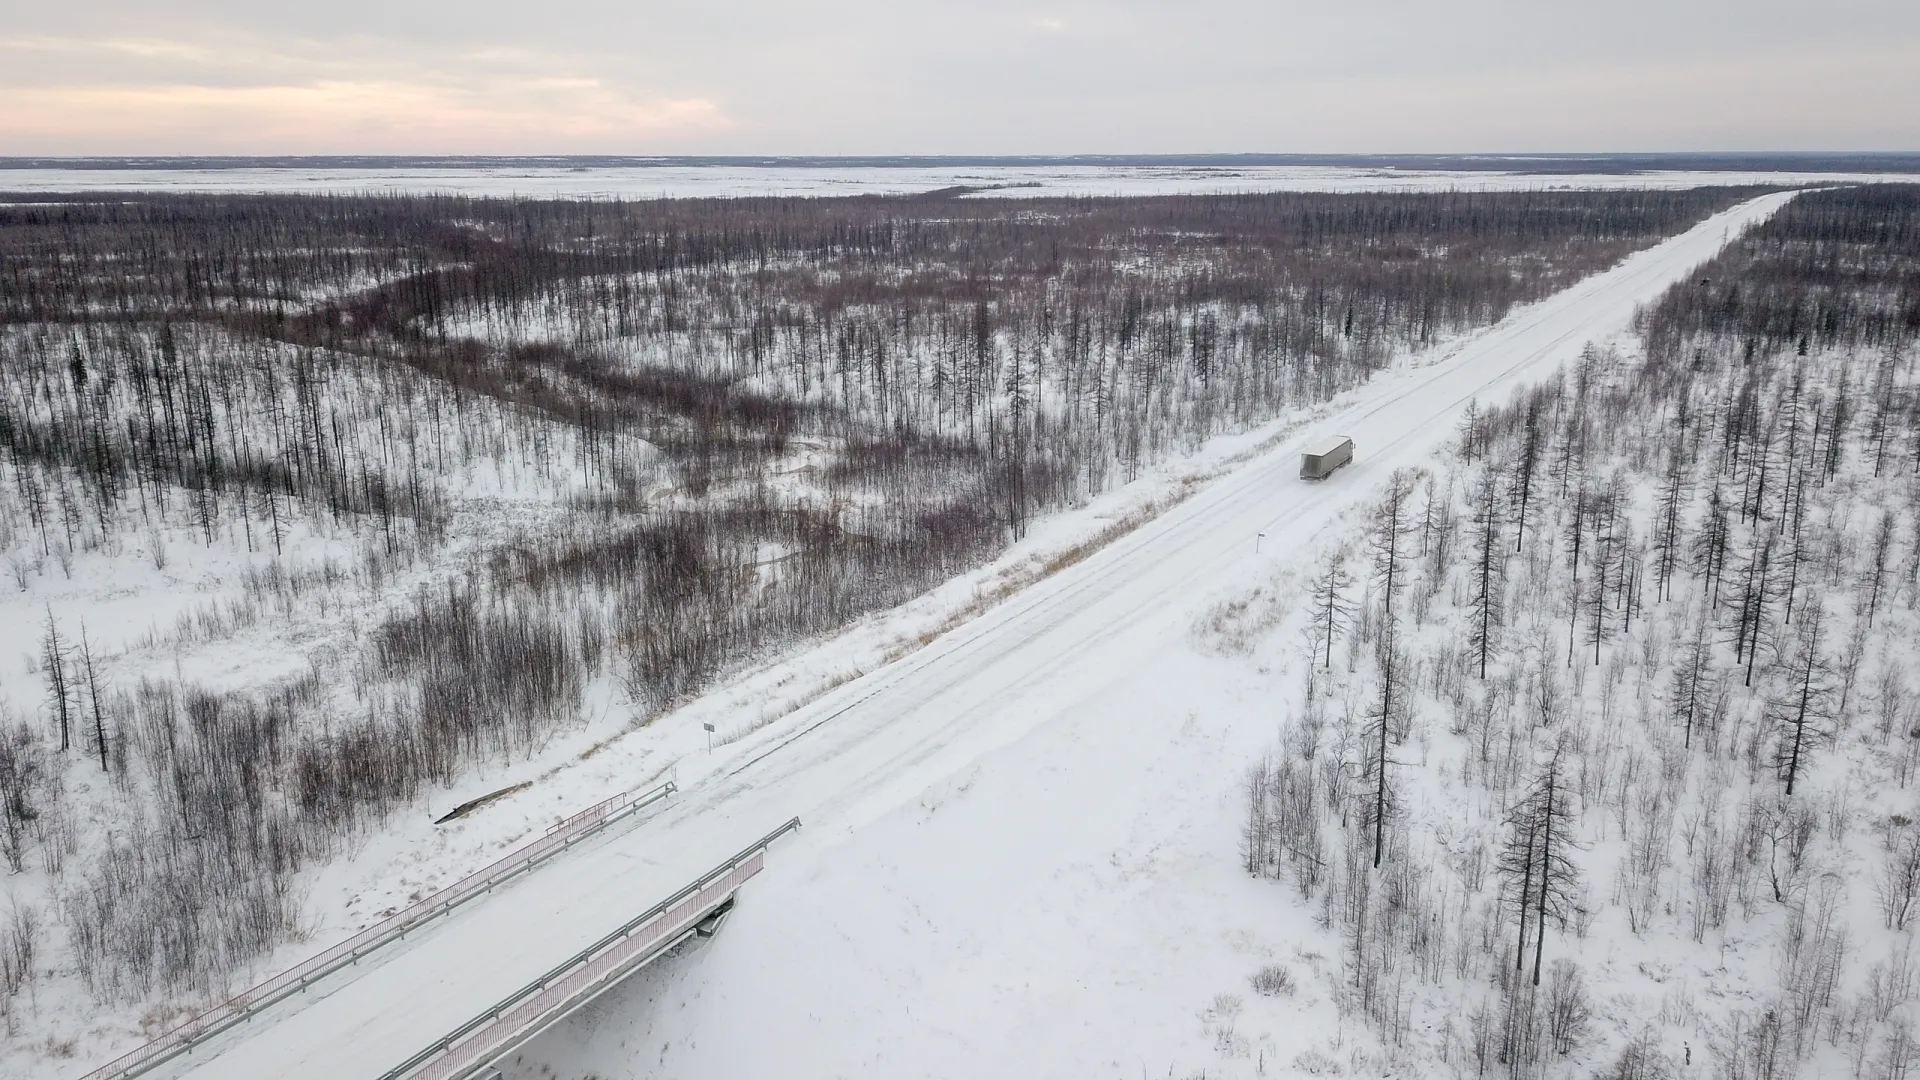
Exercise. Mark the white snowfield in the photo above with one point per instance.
(1000, 181)
(805, 992)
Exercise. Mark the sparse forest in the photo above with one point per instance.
(454, 462)
(1602, 734)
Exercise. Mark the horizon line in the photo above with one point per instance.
(1520, 161)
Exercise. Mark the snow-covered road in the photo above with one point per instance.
(1109, 629)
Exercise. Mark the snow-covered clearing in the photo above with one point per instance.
(1020, 847)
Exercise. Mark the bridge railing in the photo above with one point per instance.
(238, 1008)
(541, 1003)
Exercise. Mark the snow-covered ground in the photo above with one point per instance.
(1010, 181)
(1019, 853)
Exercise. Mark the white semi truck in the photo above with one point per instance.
(1325, 456)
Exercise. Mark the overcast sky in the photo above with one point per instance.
(909, 77)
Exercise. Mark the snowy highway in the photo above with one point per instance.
(880, 741)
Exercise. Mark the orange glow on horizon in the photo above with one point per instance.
(251, 99)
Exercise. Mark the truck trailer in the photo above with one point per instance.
(1325, 456)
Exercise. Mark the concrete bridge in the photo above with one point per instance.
(449, 986)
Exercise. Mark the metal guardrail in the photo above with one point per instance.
(245, 1004)
(539, 1004)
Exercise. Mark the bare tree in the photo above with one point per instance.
(23, 772)
(1379, 799)
(54, 658)
(1488, 569)
(19, 948)
(1526, 465)
(1710, 546)
(1540, 875)
(92, 676)
(1666, 536)
(1874, 580)
(1331, 608)
(1801, 712)
(1757, 593)
(1692, 677)
(1392, 525)
(1569, 1008)
(1898, 886)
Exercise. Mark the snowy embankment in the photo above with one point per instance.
(1021, 853)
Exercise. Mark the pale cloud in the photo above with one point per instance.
(296, 97)
(956, 76)
(346, 117)
(502, 54)
(142, 47)
(228, 54)
(1774, 98)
